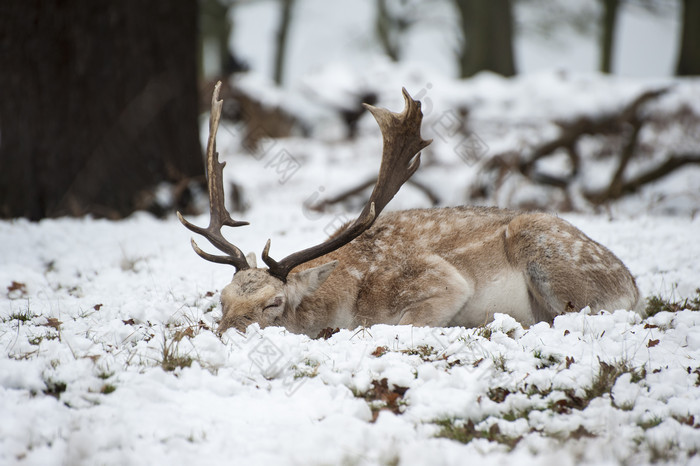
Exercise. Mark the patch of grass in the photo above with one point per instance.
(309, 369)
(665, 453)
(649, 423)
(36, 340)
(546, 361)
(524, 413)
(104, 375)
(656, 304)
(498, 394)
(484, 332)
(569, 402)
(601, 385)
(52, 333)
(171, 359)
(465, 432)
(608, 374)
(532, 390)
(55, 388)
(426, 352)
(499, 362)
(22, 316)
(107, 389)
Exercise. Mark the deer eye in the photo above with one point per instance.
(274, 303)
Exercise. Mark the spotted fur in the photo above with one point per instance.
(439, 267)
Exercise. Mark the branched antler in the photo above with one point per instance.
(218, 214)
(401, 143)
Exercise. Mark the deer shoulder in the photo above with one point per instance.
(424, 267)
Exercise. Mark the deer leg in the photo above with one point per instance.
(564, 269)
(440, 293)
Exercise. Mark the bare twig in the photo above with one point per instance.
(629, 187)
(354, 191)
(572, 131)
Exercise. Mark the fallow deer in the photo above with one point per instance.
(454, 266)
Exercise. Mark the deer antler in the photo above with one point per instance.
(218, 214)
(402, 141)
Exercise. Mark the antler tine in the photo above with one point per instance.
(218, 215)
(401, 143)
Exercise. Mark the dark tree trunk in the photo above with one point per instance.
(99, 104)
(386, 31)
(282, 39)
(607, 36)
(487, 29)
(689, 56)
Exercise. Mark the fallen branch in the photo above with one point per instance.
(629, 187)
(343, 196)
(572, 131)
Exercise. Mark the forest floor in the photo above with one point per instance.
(108, 357)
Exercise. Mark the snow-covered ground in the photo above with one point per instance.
(91, 311)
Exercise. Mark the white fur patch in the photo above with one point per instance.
(505, 293)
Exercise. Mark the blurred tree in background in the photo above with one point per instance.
(100, 99)
(487, 37)
(99, 104)
(607, 34)
(215, 28)
(689, 56)
(285, 20)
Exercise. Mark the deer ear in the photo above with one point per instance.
(306, 282)
(252, 261)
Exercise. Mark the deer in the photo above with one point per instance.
(436, 267)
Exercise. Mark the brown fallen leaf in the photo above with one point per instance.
(326, 333)
(581, 432)
(652, 343)
(569, 361)
(16, 290)
(53, 323)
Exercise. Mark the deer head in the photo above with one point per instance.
(267, 295)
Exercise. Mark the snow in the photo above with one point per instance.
(108, 354)
(103, 299)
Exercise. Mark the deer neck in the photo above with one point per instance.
(330, 306)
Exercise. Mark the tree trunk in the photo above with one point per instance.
(99, 104)
(607, 36)
(282, 36)
(215, 30)
(487, 30)
(689, 56)
(386, 31)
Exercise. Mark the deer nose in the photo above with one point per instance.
(225, 324)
